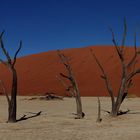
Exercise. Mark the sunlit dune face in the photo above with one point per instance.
(37, 73)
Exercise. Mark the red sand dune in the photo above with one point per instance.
(37, 73)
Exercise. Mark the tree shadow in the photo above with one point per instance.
(25, 117)
(122, 112)
(134, 113)
(119, 113)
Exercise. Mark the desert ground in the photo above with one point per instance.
(57, 121)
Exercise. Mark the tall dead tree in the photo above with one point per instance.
(73, 87)
(128, 71)
(10, 63)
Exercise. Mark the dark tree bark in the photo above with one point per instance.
(12, 102)
(128, 72)
(99, 111)
(73, 88)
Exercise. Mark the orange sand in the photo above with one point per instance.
(37, 73)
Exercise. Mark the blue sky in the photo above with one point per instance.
(45, 25)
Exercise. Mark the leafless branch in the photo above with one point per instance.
(5, 52)
(132, 74)
(65, 76)
(115, 44)
(15, 56)
(65, 85)
(105, 77)
(133, 60)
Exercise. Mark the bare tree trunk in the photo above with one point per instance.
(10, 63)
(12, 109)
(99, 111)
(73, 88)
(114, 112)
(128, 72)
(79, 104)
(126, 81)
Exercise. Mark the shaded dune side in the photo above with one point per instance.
(37, 73)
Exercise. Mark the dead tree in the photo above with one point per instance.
(128, 71)
(73, 88)
(10, 63)
(99, 119)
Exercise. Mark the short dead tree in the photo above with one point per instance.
(99, 119)
(10, 63)
(73, 87)
(128, 71)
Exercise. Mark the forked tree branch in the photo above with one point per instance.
(136, 53)
(115, 44)
(126, 75)
(15, 56)
(65, 76)
(12, 102)
(9, 60)
(4, 50)
(131, 75)
(105, 77)
(68, 88)
(64, 60)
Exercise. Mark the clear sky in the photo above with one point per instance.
(45, 25)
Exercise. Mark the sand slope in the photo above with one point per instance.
(37, 73)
